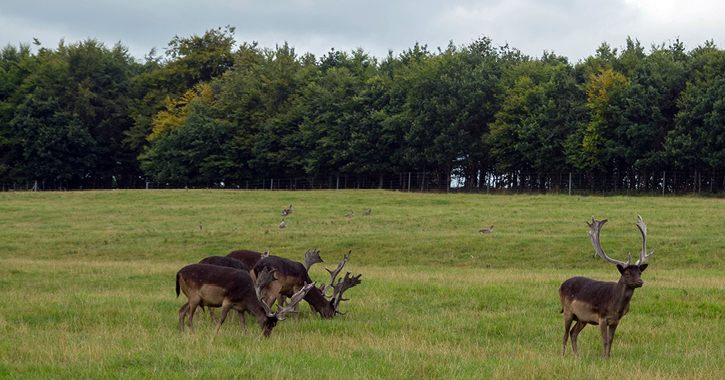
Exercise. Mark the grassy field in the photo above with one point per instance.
(87, 285)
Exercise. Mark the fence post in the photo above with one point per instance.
(570, 184)
(409, 182)
(664, 173)
(338, 183)
(271, 184)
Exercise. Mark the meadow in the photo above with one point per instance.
(87, 285)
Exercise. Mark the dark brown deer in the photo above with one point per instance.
(291, 275)
(229, 288)
(597, 302)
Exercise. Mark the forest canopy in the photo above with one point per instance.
(213, 110)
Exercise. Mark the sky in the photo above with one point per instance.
(569, 28)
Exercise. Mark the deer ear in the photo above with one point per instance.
(643, 267)
(620, 268)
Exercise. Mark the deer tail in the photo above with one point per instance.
(177, 285)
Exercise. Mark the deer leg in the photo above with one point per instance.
(211, 313)
(222, 316)
(182, 315)
(605, 338)
(610, 339)
(567, 325)
(578, 327)
(193, 304)
(240, 314)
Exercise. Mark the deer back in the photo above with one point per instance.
(250, 258)
(225, 261)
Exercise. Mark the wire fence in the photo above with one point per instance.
(664, 183)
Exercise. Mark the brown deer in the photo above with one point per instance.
(230, 288)
(291, 276)
(597, 302)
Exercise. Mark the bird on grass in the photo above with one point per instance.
(350, 215)
(283, 224)
(368, 211)
(287, 211)
(486, 230)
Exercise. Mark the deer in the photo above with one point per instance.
(230, 288)
(291, 276)
(589, 301)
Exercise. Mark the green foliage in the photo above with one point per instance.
(464, 110)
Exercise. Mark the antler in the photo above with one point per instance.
(294, 300)
(596, 227)
(312, 258)
(334, 274)
(263, 279)
(643, 254)
(341, 286)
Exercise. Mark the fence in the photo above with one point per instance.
(571, 183)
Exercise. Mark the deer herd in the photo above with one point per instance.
(250, 281)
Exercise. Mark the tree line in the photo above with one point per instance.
(210, 110)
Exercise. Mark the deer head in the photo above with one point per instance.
(263, 279)
(630, 272)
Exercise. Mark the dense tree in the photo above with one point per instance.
(210, 111)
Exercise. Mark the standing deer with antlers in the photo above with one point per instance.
(597, 302)
(291, 275)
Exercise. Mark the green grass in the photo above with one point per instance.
(87, 285)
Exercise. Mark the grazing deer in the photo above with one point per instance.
(597, 302)
(229, 288)
(486, 230)
(290, 277)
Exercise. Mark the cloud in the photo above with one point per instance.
(572, 28)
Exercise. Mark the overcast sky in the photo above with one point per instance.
(570, 28)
